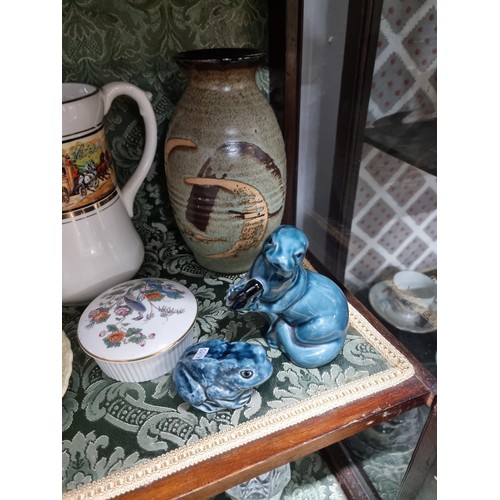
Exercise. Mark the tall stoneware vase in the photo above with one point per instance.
(224, 159)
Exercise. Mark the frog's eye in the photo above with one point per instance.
(246, 373)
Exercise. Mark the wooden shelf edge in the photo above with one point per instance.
(214, 476)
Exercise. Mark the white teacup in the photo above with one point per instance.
(416, 287)
(100, 246)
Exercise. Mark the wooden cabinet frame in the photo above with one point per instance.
(285, 42)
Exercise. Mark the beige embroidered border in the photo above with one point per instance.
(275, 420)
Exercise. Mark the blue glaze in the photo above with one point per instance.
(219, 375)
(308, 312)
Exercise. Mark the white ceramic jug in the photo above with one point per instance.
(100, 245)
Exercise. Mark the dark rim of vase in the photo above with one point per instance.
(219, 58)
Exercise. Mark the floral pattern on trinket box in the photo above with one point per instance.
(124, 305)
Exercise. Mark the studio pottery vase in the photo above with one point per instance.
(224, 160)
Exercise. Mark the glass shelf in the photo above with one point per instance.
(414, 143)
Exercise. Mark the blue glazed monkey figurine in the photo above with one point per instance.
(308, 312)
(219, 375)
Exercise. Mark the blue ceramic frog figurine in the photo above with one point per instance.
(218, 375)
(308, 312)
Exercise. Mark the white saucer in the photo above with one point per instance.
(384, 302)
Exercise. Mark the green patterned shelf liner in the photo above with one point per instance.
(120, 436)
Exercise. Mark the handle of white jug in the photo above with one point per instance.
(110, 92)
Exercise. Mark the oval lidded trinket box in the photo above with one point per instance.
(137, 330)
